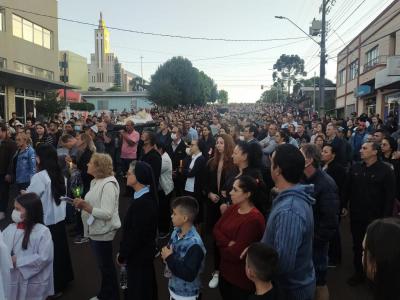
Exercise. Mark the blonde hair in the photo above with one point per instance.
(103, 165)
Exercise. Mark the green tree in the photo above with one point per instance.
(223, 97)
(308, 97)
(83, 106)
(177, 82)
(114, 89)
(50, 105)
(288, 69)
(208, 89)
(273, 95)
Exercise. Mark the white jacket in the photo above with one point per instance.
(103, 196)
(166, 182)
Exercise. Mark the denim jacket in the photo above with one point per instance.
(25, 166)
(180, 248)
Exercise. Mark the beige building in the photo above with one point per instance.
(76, 70)
(28, 55)
(368, 68)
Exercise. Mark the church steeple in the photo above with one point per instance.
(102, 23)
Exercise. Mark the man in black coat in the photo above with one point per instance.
(338, 143)
(150, 154)
(370, 192)
(326, 210)
(7, 150)
(177, 152)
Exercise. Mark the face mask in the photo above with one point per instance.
(77, 128)
(241, 138)
(173, 136)
(16, 216)
(188, 151)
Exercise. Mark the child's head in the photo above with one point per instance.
(261, 262)
(184, 210)
(28, 209)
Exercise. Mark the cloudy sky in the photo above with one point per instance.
(238, 67)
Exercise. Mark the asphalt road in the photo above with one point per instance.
(87, 278)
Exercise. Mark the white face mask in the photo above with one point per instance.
(188, 151)
(173, 136)
(241, 138)
(16, 216)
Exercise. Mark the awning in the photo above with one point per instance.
(9, 77)
(72, 96)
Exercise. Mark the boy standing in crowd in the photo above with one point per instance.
(261, 268)
(184, 256)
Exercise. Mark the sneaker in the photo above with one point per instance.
(80, 240)
(356, 279)
(214, 281)
(94, 298)
(2, 215)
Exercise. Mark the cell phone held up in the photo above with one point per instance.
(67, 199)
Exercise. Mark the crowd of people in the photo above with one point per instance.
(268, 185)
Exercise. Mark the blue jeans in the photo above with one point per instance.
(109, 289)
(320, 259)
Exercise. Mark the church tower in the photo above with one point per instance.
(102, 42)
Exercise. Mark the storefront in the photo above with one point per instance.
(25, 102)
(2, 102)
(392, 105)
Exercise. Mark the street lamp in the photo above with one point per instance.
(323, 52)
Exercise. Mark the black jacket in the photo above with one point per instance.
(177, 155)
(326, 207)
(339, 175)
(7, 150)
(341, 150)
(153, 158)
(211, 179)
(370, 191)
(139, 230)
(197, 172)
(209, 146)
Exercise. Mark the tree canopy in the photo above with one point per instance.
(177, 82)
(288, 68)
(50, 105)
(273, 95)
(223, 97)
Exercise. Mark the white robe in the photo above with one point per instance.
(33, 276)
(5, 266)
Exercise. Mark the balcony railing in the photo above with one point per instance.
(379, 60)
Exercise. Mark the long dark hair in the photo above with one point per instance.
(382, 247)
(229, 145)
(34, 214)
(49, 162)
(254, 153)
(256, 188)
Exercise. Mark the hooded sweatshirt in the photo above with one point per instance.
(289, 231)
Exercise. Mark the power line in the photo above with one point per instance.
(351, 14)
(157, 34)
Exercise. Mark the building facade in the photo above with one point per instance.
(28, 55)
(368, 78)
(76, 70)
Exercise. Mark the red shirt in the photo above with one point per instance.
(243, 229)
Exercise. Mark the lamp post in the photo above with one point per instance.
(323, 53)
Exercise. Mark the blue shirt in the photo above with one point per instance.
(140, 193)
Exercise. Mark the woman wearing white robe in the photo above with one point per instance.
(5, 267)
(32, 268)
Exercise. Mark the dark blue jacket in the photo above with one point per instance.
(326, 207)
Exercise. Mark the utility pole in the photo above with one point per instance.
(322, 61)
(314, 93)
(65, 83)
(141, 68)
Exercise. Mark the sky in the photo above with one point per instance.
(237, 67)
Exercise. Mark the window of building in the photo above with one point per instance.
(353, 68)
(372, 57)
(1, 20)
(25, 102)
(3, 63)
(37, 35)
(30, 32)
(17, 26)
(342, 77)
(31, 70)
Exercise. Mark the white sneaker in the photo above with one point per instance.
(214, 281)
(94, 298)
(2, 215)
